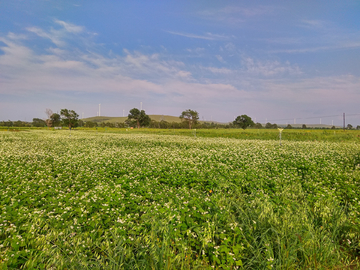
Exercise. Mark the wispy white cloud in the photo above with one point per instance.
(269, 68)
(207, 36)
(230, 47)
(54, 36)
(340, 46)
(245, 11)
(196, 50)
(317, 24)
(72, 28)
(14, 36)
(236, 14)
(286, 40)
(59, 36)
(23, 71)
(219, 70)
(220, 58)
(327, 37)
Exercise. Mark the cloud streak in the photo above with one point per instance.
(207, 36)
(236, 15)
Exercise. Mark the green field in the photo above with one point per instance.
(321, 135)
(165, 199)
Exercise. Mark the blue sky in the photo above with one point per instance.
(273, 60)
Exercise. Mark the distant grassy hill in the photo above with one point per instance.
(100, 119)
(156, 117)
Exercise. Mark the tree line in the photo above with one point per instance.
(138, 118)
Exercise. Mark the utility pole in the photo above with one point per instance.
(123, 113)
(344, 121)
(320, 121)
(99, 109)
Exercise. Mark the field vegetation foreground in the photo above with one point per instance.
(131, 200)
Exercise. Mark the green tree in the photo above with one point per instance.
(304, 126)
(90, 124)
(55, 119)
(190, 116)
(258, 125)
(120, 125)
(349, 126)
(269, 125)
(289, 126)
(18, 123)
(243, 121)
(69, 117)
(37, 122)
(140, 117)
(81, 123)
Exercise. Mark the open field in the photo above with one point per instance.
(320, 135)
(136, 199)
(250, 134)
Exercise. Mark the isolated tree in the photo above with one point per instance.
(55, 119)
(258, 125)
(69, 117)
(349, 126)
(243, 121)
(304, 126)
(190, 116)
(37, 122)
(269, 125)
(289, 126)
(141, 118)
(357, 127)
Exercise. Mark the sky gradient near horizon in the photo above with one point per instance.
(277, 61)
